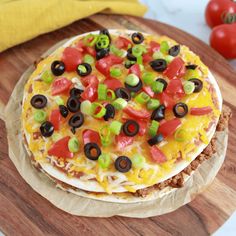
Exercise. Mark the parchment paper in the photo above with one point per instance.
(83, 206)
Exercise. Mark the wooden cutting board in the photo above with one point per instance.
(24, 212)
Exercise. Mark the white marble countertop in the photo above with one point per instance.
(188, 16)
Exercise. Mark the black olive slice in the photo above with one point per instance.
(110, 112)
(84, 69)
(163, 82)
(174, 51)
(123, 164)
(76, 120)
(75, 92)
(73, 104)
(46, 129)
(155, 139)
(123, 93)
(63, 110)
(102, 53)
(159, 113)
(130, 128)
(158, 65)
(135, 88)
(58, 68)
(180, 109)
(130, 56)
(38, 101)
(191, 67)
(198, 85)
(92, 151)
(137, 38)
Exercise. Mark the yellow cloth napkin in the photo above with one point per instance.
(21, 20)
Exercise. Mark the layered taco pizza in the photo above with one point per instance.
(120, 114)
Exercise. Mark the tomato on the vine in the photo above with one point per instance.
(223, 40)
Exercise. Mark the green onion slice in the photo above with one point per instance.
(97, 110)
(105, 135)
(148, 77)
(73, 144)
(142, 98)
(138, 50)
(138, 161)
(85, 107)
(104, 160)
(120, 103)
(110, 95)
(102, 92)
(164, 47)
(115, 72)
(132, 80)
(102, 41)
(88, 59)
(153, 128)
(157, 87)
(153, 104)
(40, 116)
(189, 87)
(47, 77)
(90, 40)
(59, 101)
(181, 135)
(115, 127)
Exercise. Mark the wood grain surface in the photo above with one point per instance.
(24, 212)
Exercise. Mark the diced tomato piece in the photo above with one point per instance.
(90, 50)
(61, 85)
(176, 69)
(148, 90)
(157, 155)
(168, 128)
(113, 83)
(103, 65)
(55, 119)
(153, 46)
(142, 127)
(135, 69)
(122, 43)
(91, 136)
(200, 111)
(167, 100)
(147, 58)
(123, 141)
(175, 88)
(139, 114)
(80, 45)
(60, 148)
(91, 85)
(71, 57)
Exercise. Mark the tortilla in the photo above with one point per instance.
(110, 181)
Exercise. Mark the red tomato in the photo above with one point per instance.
(122, 43)
(113, 83)
(55, 118)
(147, 58)
(91, 85)
(103, 65)
(175, 88)
(223, 40)
(123, 141)
(153, 46)
(167, 100)
(60, 148)
(148, 90)
(176, 69)
(135, 69)
(61, 85)
(90, 51)
(91, 136)
(195, 111)
(168, 128)
(216, 11)
(139, 114)
(71, 58)
(157, 155)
